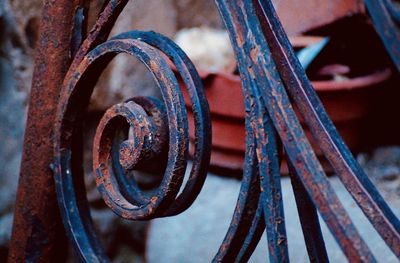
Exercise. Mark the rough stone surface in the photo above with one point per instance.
(5, 235)
(383, 167)
(26, 11)
(195, 13)
(126, 76)
(12, 115)
(26, 16)
(12, 119)
(202, 227)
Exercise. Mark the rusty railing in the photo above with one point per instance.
(67, 69)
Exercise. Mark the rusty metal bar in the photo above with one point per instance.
(385, 15)
(38, 234)
(273, 81)
(121, 195)
(256, 64)
(309, 220)
(353, 177)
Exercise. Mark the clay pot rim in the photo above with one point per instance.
(353, 83)
(321, 85)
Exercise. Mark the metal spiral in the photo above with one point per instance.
(273, 81)
(160, 132)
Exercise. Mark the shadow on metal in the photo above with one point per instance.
(273, 81)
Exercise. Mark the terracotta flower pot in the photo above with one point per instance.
(348, 102)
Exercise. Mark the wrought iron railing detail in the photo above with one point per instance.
(325, 134)
(385, 15)
(159, 133)
(273, 84)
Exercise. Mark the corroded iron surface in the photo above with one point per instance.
(144, 132)
(385, 14)
(37, 230)
(158, 128)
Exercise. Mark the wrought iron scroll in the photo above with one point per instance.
(159, 127)
(273, 81)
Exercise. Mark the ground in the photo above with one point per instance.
(201, 229)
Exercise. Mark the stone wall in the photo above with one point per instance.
(12, 116)
(125, 77)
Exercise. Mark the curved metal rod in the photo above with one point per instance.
(155, 109)
(309, 220)
(75, 213)
(245, 229)
(99, 33)
(268, 71)
(74, 98)
(202, 119)
(385, 17)
(261, 172)
(324, 133)
(255, 62)
(244, 212)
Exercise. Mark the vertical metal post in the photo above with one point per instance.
(38, 234)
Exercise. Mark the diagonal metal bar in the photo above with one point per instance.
(100, 31)
(385, 16)
(324, 132)
(271, 193)
(309, 220)
(271, 201)
(255, 62)
(272, 80)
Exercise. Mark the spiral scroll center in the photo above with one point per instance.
(129, 154)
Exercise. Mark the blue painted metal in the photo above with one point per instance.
(271, 74)
(325, 134)
(273, 83)
(385, 15)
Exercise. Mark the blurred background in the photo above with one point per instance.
(336, 43)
